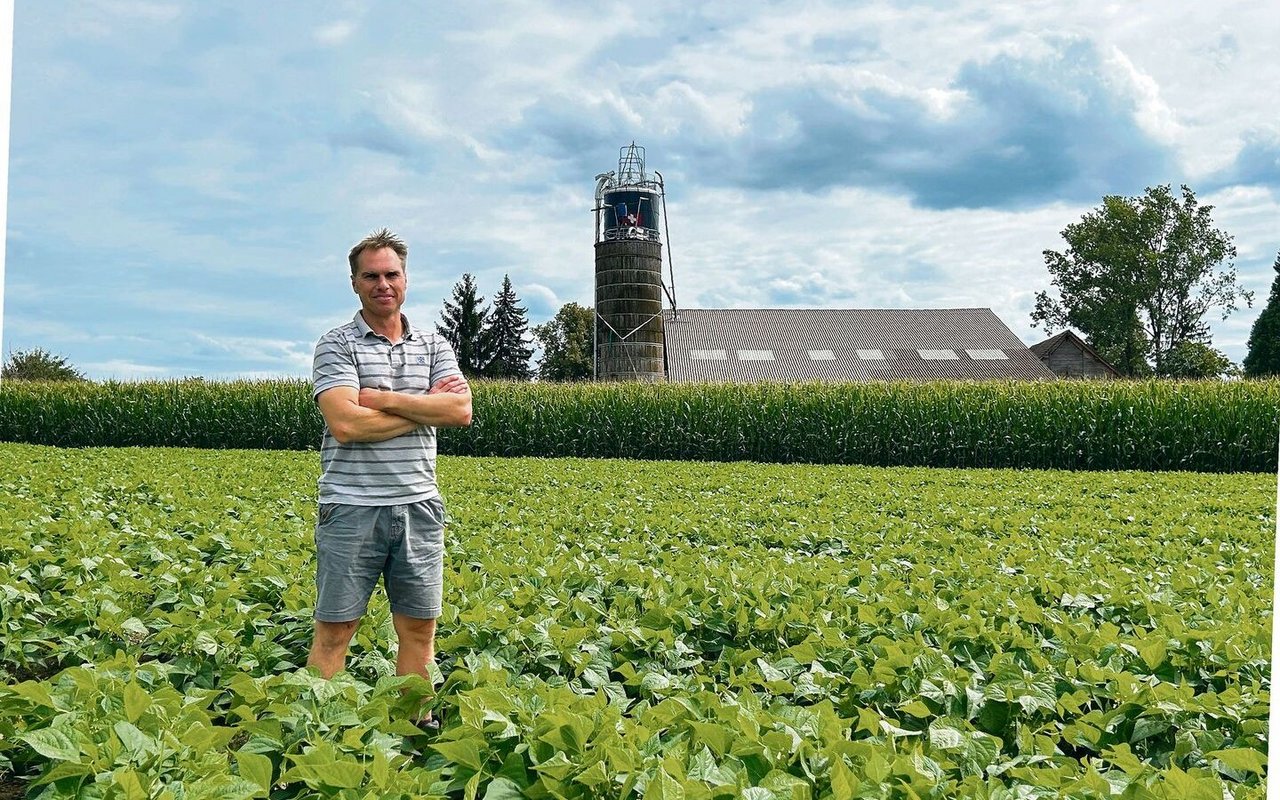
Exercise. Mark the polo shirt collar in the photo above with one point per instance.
(365, 330)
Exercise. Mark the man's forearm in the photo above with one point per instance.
(372, 425)
(445, 409)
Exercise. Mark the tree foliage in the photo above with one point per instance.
(567, 344)
(1196, 360)
(506, 336)
(462, 325)
(1138, 277)
(1263, 358)
(39, 365)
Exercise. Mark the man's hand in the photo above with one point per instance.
(454, 383)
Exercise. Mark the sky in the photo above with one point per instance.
(185, 179)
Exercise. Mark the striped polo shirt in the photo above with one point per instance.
(395, 471)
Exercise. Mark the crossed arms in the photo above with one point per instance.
(375, 415)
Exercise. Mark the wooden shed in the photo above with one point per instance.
(1069, 356)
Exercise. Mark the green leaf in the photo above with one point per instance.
(256, 768)
(1153, 652)
(52, 743)
(226, 788)
(918, 709)
(136, 701)
(129, 783)
(503, 789)
(135, 742)
(844, 784)
(37, 693)
(558, 766)
(595, 775)
(1241, 758)
(663, 787)
(323, 767)
(717, 737)
(465, 752)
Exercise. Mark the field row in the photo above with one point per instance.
(1156, 425)
(644, 629)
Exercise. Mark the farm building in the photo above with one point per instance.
(1069, 356)
(638, 337)
(853, 344)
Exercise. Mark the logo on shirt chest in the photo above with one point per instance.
(422, 359)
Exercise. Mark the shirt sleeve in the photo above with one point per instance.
(443, 362)
(333, 365)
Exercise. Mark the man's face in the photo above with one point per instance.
(379, 281)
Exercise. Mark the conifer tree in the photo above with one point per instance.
(1263, 359)
(462, 325)
(506, 336)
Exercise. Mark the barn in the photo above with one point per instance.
(845, 344)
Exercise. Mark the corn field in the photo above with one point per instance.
(1153, 425)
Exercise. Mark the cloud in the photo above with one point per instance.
(335, 33)
(1256, 164)
(1035, 124)
(1026, 131)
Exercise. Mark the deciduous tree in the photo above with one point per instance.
(1196, 360)
(1138, 277)
(567, 344)
(39, 365)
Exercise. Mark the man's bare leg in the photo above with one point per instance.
(329, 647)
(417, 644)
(417, 648)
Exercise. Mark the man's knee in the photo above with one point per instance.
(413, 628)
(335, 635)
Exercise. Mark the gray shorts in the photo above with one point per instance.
(355, 545)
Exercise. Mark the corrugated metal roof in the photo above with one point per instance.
(899, 334)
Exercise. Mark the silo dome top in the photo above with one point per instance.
(628, 200)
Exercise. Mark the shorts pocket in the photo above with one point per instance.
(326, 512)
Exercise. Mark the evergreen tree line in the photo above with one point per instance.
(495, 341)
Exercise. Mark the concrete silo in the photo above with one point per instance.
(628, 275)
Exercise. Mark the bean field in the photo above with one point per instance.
(646, 629)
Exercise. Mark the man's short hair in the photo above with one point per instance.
(376, 241)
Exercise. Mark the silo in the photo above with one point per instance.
(628, 273)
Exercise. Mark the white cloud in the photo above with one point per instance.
(335, 33)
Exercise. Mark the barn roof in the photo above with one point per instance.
(849, 344)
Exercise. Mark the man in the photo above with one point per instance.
(383, 386)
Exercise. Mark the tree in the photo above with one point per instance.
(1138, 276)
(567, 344)
(1196, 360)
(462, 325)
(1263, 358)
(39, 365)
(506, 336)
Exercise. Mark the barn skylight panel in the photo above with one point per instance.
(938, 355)
(987, 355)
(871, 355)
(821, 355)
